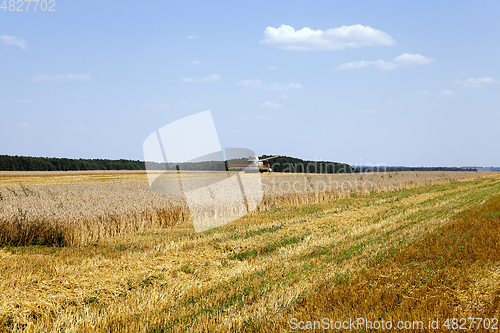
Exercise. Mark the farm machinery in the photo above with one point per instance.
(253, 164)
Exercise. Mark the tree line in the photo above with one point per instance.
(296, 165)
(403, 168)
(27, 163)
(281, 164)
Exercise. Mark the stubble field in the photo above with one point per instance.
(101, 252)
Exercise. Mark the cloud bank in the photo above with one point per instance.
(475, 83)
(421, 93)
(211, 78)
(340, 38)
(270, 105)
(405, 59)
(12, 40)
(269, 85)
(448, 93)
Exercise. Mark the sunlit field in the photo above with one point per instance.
(100, 252)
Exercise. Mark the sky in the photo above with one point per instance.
(413, 83)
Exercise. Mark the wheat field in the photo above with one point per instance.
(81, 208)
(101, 252)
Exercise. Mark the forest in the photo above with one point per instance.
(281, 164)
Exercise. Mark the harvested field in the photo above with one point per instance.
(412, 246)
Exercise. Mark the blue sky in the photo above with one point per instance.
(383, 82)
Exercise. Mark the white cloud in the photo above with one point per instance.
(263, 118)
(273, 68)
(269, 85)
(270, 105)
(448, 93)
(421, 93)
(12, 40)
(23, 101)
(285, 97)
(60, 78)
(379, 64)
(244, 118)
(211, 78)
(195, 62)
(390, 102)
(332, 39)
(23, 125)
(474, 83)
(412, 59)
(191, 37)
(404, 59)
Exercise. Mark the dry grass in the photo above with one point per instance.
(419, 251)
(81, 208)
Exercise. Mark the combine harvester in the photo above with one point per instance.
(253, 164)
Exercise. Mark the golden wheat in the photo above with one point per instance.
(82, 208)
(248, 275)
